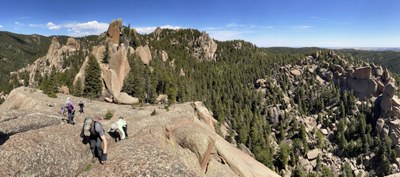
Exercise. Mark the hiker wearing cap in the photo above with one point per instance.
(119, 129)
(97, 139)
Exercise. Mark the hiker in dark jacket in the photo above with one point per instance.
(81, 105)
(97, 139)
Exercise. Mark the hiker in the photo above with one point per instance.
(119, 129)
(81, 105)
(97, 139)
(71, 112)
(62, 111)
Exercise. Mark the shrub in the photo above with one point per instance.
(108, 115)
(154, 112)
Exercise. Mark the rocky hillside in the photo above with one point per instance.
(300, 112)
(177, 141)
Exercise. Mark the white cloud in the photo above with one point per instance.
(53, 26)
(302, 27)
(17, 23)
(1, 26)
(75, 28)
(149, 29)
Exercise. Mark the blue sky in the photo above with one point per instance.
(266, 23)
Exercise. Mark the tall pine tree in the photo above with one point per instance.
(93, 84)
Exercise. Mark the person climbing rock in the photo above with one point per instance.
(81, 105)
(93, 130)
(119, 129)
(71, 112)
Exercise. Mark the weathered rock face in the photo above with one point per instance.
(164, 56)
(114, 31)
(363, 88)
(144, 53)
(50, 151)
(53, 58)
(390, 89)
(295, 72)
(205, 48)
(205, 115)
(313, 154)
(142, 156)
(72, 43)
(171, 143)
(362, 73)
(111, 80)
(119, 63)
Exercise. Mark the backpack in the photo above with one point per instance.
(70, 107)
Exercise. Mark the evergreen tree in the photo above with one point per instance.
(93, 85)
(106, 55)
(77, 89)
(134, 82)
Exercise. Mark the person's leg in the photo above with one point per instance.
(125, 130)
(99, 147)
(93, 146)
(69, 115)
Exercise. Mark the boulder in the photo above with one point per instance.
(114, 31)
(50, 151)
(380, 87)
(162, 98)
(124, 98)
(385, 76)
(386, 104)
(260, 83)
(164, 56)
(63, 89)
(182, 73)
(362, 72)
(295, 72)
(71, 42)
(119, 63)
(395, 111)
(305, 164)
(144, 53)
(109, 100)
(339, 69)
(274, 113)
(313, 154)
(394, 133)
(378, 71)
(324, 131)
(379, 125)
(390, 89)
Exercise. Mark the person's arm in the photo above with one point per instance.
(104, 142)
